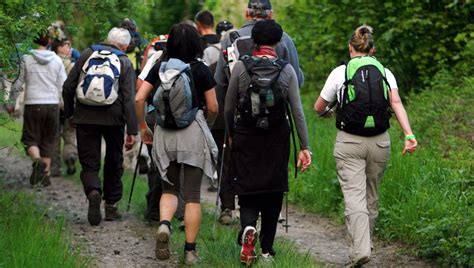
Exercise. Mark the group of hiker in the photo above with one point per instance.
(220, 106)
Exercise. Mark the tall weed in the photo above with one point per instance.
(30, 239)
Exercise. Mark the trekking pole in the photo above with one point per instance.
(295, 157)
(134, 177)
(219, 184)
(328, 109)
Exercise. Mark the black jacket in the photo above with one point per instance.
(120, 113)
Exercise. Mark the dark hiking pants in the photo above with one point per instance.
(89, 139)
(269, 206)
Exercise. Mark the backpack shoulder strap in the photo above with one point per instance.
(248, 62)
(233, 36)
(346, 80)
(281, 63)
(193, 64)
(344, 85)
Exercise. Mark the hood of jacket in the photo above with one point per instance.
(43, 57)
(170, 69)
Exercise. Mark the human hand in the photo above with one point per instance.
(327, 112)
(146, 135)
(129, 142)
(10, 108)
(71, 123)
(304, 159)
(410, 144)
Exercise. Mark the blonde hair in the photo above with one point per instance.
(362, 39)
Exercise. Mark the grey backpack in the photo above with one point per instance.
(175, 99)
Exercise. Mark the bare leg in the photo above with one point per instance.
(192, 221)
(34, 152)
(168, 206)
(47, 161)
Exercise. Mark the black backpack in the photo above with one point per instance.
(262, 105)
(364, 107)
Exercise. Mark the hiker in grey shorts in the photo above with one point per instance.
(362, 146)
(186, 150)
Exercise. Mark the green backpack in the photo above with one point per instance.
(364, 106)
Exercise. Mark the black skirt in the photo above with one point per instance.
(259, 160)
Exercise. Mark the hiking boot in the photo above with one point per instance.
(93, 214)
(191, 257)
(249, 239)
(162, 249)
(46, 181)
(226, 217)
(111, 212)
(181, 226)
(71, 165)
(266, 259)
(358, 263)
(38, 171)
(55, 173)
(281, 219)
(362, 261)
(142, 165)
(212, 189)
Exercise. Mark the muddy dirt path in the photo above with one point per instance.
(326, 241)
(130, 242)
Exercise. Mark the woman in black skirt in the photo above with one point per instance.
(260, 89)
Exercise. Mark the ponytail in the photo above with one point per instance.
(362, 39)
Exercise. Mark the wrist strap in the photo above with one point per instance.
(143, 125)
(409, 137)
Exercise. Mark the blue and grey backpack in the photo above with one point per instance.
(175, 99)
(99, 77)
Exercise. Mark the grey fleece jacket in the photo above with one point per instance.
(286, 50)
(43, 74)
(240, 81)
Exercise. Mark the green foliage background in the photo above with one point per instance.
(426, 198)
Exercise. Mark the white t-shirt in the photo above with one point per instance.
(149, 64)
(335, 83)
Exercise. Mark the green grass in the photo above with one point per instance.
(31, 239)
(30, 236)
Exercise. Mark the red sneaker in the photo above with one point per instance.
(249, 239)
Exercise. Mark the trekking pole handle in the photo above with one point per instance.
(134, 177)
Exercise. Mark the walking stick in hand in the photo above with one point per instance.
(134, 177)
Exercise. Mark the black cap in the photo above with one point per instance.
(260, 4)
(266, 32)
(223, 26)
(129, 24)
